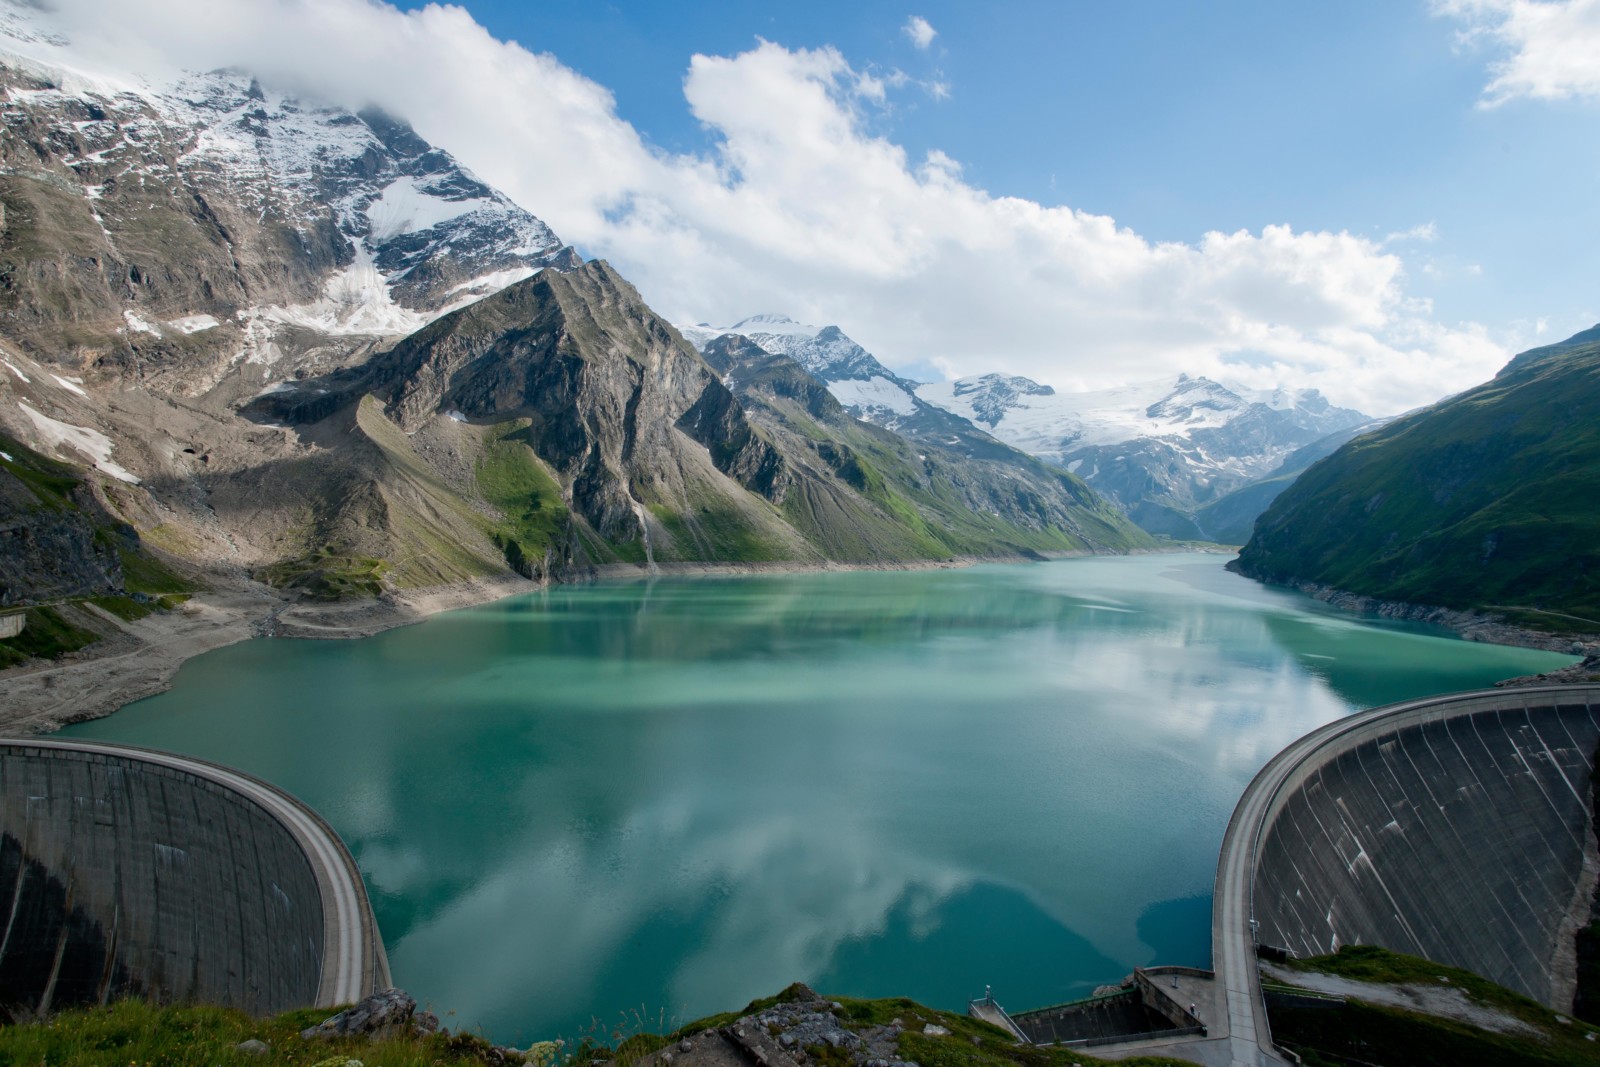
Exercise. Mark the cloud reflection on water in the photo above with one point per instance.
(681, 796)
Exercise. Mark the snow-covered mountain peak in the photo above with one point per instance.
(991, 395)
(394, 231)
(773, 323)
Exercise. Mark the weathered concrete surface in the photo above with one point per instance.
(1462, 811)
(132, 872)
(1458, 836)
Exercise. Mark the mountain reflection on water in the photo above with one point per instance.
(672, 797)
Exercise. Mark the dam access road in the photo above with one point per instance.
(129, 871)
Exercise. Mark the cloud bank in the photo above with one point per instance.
(1554, 46)
(800, 207)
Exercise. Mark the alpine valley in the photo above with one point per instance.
(1185, 458)
(260, 344)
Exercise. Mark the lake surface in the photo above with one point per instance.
(631, 799)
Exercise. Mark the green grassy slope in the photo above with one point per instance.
(1383, 1036)
(1488, 500)
(62, 543)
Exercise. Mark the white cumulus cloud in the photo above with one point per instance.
(1554, 45)
(801, 206)
(920, 31)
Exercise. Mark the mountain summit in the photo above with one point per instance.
(152, 223)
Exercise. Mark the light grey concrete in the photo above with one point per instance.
(1506, 823)
(995, 1015)
(129, 871)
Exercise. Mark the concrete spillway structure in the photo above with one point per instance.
(130, 872)
(1457, 829)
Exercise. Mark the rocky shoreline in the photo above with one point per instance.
(140, 659)
(1469, 625)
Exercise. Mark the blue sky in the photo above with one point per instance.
(1383, 200)
(1179, 118)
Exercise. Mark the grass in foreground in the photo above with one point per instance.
(133, 1032)
(970, 1043)
(1389, 1037)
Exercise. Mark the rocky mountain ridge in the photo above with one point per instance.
(163, 232)
(281, 342)
(1161, 451)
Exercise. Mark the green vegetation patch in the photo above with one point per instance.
(718, 532)
(1485, 501)
(528, 497)
(143, 573)
(202, 1036)
(326, 575)
(1389, 1037)
(1369, 963)
(46, 635)
(1386, 1037)
(51, 481)
(125, 608)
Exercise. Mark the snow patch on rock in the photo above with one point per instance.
(91, 443)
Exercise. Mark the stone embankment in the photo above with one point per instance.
(1471, 625)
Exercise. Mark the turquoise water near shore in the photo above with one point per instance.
(597, 804)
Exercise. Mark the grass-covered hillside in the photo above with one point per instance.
(1487, 500)
(133, 1032)
(1402, 1011)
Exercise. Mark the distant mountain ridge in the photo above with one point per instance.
(250, 338)
(1161, 450)
(1485, 500)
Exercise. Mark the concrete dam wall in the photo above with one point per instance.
(1460, 830)
(126, 872)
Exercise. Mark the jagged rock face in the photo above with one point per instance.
(53, 532)
(748, 368)
(614, 396)
(992, 395)
(949, 483)
(181, 224)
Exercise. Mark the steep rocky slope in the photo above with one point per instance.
(1485, 500)
(163, 233)
(656, 458)
(910, 495)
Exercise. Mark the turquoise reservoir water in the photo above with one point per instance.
(669, 798)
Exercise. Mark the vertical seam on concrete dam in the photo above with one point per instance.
(1506, 816)
(130, 871)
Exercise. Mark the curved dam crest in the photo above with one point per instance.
(127, 872)
(1462, 834)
